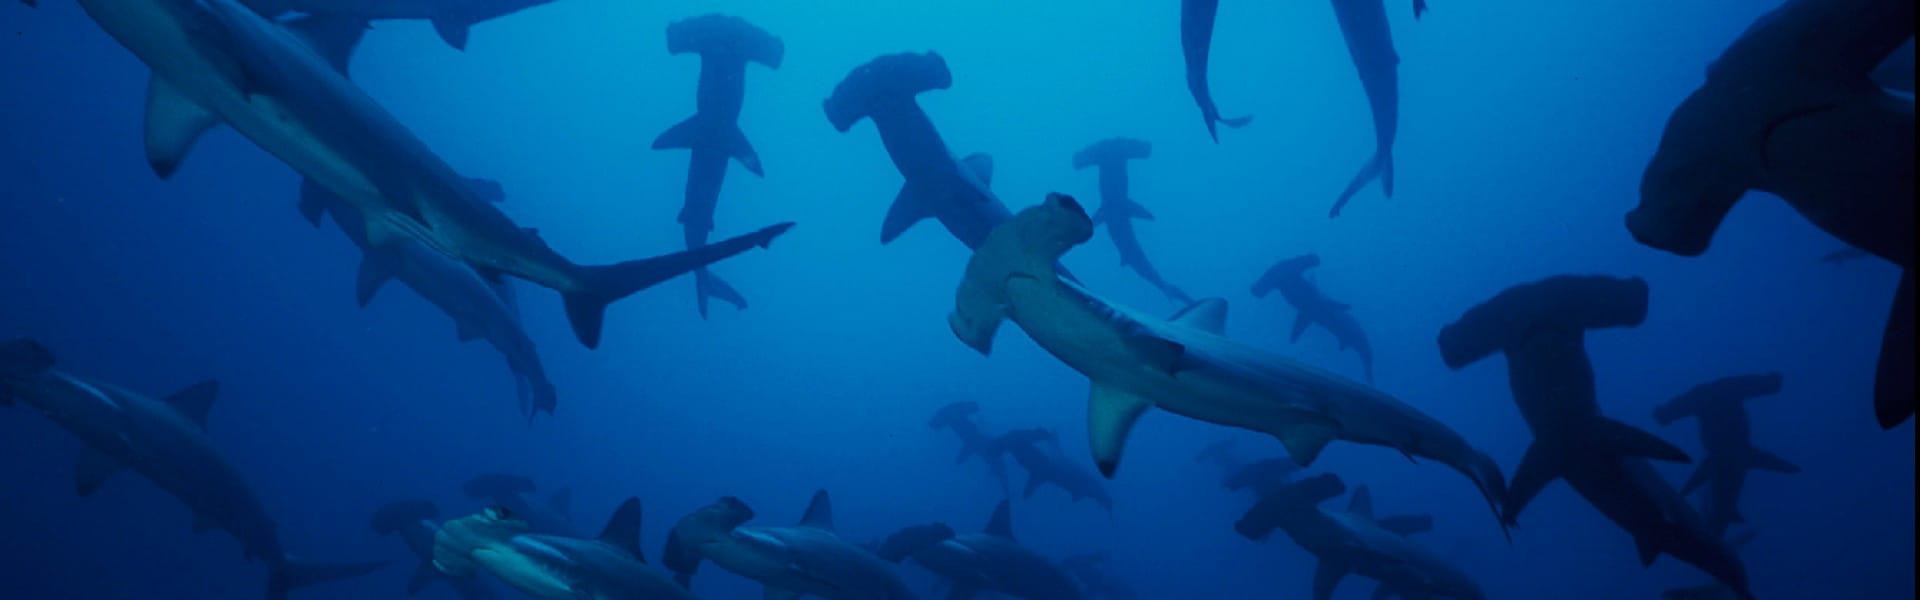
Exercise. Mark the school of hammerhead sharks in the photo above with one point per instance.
(1812, 103)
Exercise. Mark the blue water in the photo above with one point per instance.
(1524, 129)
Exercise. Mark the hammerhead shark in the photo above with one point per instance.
(554, 567)
(1118, 208)
(990, 561)
(725, 45)
(1790, 108)
(806, 559)
(1184, 365)
(1541, 328)
(1370, 43)
(1354, 541)
(1720, 406)
(939, 185)
(958, 417)
(1038, 451)
(1313, 306)
(164, 440)
(282, 85)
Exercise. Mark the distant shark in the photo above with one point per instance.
(555, 516)
(1720, 406)
(412, 521)
(452, 19)
(1790, 108)
(553, 567)
(1313, 306)
(1262, 477)
(939, 185)
(1118, 209)
(725, 45)
(1183, 365)
(164, 440)
(281, 86)
(958, 417)
(1038, 451)
(990, 561)
(480, 308)
(1355, 541)
(807, 559)
(1370, 43)
(1541, 328)
(1196, 42)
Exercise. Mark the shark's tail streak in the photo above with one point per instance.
(293, 573)
(586, 307)
(1379, 167)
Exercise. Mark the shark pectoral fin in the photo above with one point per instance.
(1326, 577)
(978, 308)
(1300, 323)
(195, 401)
(1209, 315)
(1111, 413)
(332, 36)
(1771, 462)
(741, 150)
(314, 201)
(376, 267)
(174, 123)
(453, 32)
(1540, 466)
(1614, 437)
(1305, 440)
(774, 593)
(981, 164)
(1407, 524)
(93, 469)
(913, 203)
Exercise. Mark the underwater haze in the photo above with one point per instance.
(1524, 130)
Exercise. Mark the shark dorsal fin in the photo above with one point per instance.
(1362, 502)
(623, 530)
(1001, 523)
(819, 513)
(195, 401)
(1209, 315)
(981, 164)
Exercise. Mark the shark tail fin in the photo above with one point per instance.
(707, 285)
(701, 131)
(294, 573)
(602, 285)
(1370, 171)
(395, 515)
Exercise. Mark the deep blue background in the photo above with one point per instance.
(1524, 129)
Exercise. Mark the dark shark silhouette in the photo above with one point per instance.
(1791, 109)
(1196, 43)
(990, 561)
(1313, 306)
(1727, 432)
(806, 559)
(974, 441)
(1370, 42)
(1118, 208)
(1038, 451)
(1541, 328)
(939, 185)
(164, 440)
(725, 45)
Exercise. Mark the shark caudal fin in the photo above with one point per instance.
(1564, 302)
(707, 285)
(602, 285)
(293, 573)
(394, 516)
(1374, 168)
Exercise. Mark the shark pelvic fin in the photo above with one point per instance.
(1111, 413)
(1305, 440)
(174, 123)
(92, 471)
(376, 267)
